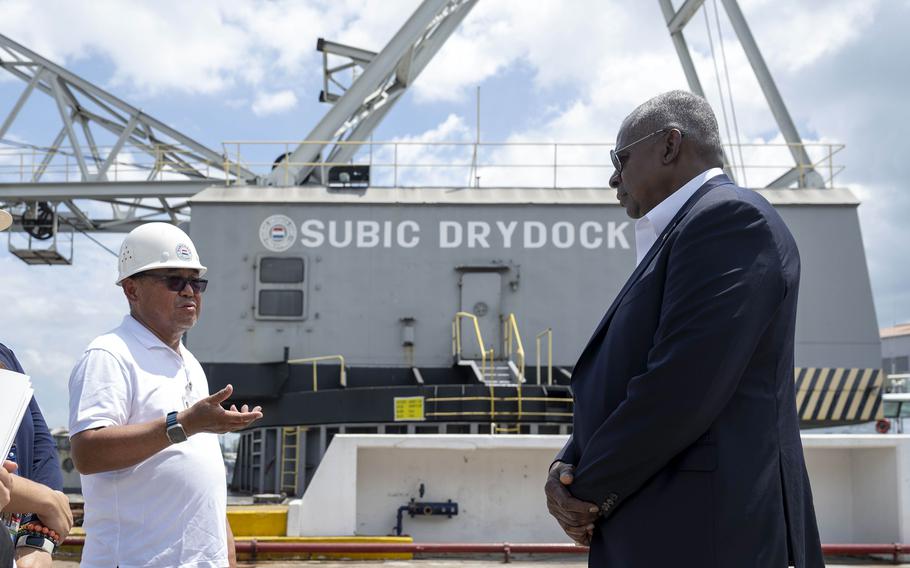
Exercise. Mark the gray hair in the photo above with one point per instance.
(691, 114)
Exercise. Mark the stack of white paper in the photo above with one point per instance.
(15, 394)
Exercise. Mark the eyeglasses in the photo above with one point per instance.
(614, 154)
(178, 283)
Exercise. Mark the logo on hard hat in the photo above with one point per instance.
(278, 233)
(184, 252)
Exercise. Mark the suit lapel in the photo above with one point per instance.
(655, 248)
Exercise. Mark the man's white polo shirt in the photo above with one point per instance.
(170, 509)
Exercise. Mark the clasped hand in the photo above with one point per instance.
(6, 482)
(208, 415)
(576, 517)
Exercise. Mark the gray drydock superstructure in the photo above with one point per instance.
(378, 277)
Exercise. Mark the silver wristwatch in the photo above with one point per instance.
(36, 541)
(175, 432)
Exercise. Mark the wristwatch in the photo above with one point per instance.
(36, 541)
(175, 432)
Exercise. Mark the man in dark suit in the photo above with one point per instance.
(686, 442)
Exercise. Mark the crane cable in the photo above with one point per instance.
(723, 53)
(91, 238)
(720, 90)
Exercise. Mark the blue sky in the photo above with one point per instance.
(548, 70)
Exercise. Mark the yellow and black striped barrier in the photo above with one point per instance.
(827, 396)
(824, 397)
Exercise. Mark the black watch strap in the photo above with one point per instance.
(36, 541)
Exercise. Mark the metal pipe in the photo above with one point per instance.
(248, 546)
(408, 548)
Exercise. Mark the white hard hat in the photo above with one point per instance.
(157, 245)
(5, 220)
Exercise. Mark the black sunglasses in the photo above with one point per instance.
(614, 154)
(178, 283)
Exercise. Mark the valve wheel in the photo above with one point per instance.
(40, 225)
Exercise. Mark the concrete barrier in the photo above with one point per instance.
(861, 486)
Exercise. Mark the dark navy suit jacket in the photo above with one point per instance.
(685, 428)
(36, 451)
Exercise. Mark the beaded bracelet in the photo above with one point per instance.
(34, 528)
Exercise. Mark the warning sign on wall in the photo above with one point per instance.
(409, 408)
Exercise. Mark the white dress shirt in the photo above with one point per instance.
(649, 227)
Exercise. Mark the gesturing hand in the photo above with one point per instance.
(575, 516)
(208, 415)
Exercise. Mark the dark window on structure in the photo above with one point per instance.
(901, 364)
(280, 288)
(276, 270)
(281, 303)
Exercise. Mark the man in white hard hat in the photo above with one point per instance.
(142, 424)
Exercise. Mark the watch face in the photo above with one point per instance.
(176, 434)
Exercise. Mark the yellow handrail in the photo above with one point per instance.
(511, 335)
(549, 333)
(314, 360)
(456, 340)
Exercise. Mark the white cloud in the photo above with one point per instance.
(501, 34)
(274, 103)
(446, 147)
(154, 47)
(201, 47)
(794, 35)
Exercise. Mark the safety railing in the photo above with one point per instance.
(405, 164)
(315, 360)
(157, 162)
(392, 164)
(512, 344)
(493, 413)
(549, 334)
(485, 355)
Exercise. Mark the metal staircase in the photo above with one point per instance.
(489, 370)
(499, 373)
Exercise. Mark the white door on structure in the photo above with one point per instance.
(481, 293)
